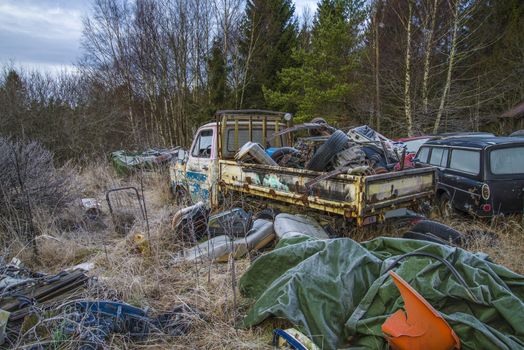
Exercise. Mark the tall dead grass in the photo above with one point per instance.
(149, 278)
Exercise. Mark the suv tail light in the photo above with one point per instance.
(485, 191)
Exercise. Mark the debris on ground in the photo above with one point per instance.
(221, 248)
(190, 223)
(91, 207)
(433, 231)
(420, 326)
(21, 289)
(25, 294)
(292, 339)
(92, 322)
(341, 294)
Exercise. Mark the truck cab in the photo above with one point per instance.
(194, 176)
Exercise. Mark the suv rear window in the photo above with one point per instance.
(439, 157)
(507, 161)
(466, 161)
(423, 154)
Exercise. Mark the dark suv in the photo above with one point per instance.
(482, 176)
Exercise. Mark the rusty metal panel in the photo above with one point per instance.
(398, 186)
(347, 195)
(336, 195)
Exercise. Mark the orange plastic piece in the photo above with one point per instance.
(419, 328)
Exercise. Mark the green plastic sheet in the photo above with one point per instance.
(336, 292)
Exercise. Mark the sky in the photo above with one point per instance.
(45, 34)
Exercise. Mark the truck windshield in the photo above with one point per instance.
(202, 147)
(505, 161)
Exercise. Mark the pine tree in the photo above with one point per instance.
(268, 37)
(322, 85)
(217, 76)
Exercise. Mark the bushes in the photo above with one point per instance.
(29, 181)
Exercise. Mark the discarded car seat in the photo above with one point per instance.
(288, 225)
(421, 327)
(221, 247)
(235, 222)
(336, 143)
(253, 152)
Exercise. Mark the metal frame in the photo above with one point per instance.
(222, 118)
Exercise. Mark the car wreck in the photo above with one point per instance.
(358, 175)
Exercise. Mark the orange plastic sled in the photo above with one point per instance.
(419, 328)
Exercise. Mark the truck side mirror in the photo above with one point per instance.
(182, 155)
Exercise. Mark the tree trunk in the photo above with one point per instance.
(377, 21)
(407, 77)
(427, 56)
(452, 55)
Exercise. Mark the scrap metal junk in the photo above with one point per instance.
(232, 233)
(328, 149)
(24, 292)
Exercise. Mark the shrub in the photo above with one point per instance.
(29, 181)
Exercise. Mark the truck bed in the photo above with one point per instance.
(355, 197)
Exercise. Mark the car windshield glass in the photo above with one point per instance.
(466, 161)
(506, 161)
(413, 145)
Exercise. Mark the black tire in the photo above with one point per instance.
(445, 206)
(336, 143)
(439, 230)
(424, 237)
(182, 197)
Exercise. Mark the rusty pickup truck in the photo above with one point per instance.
(209, 172)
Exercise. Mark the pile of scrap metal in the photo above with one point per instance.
(361, 150)
(385, 293)
(126, 162)
(91, 322)
(35, 306)
(234, 233)
(23, 291)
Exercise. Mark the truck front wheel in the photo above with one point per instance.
(182, 197)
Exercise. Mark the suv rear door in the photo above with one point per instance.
(505, 178)
(462, 178)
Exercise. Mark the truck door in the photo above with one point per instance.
(200, 165)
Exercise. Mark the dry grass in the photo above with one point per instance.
(504, 241)
(150, 280)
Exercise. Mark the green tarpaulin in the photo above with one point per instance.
(337, 293)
